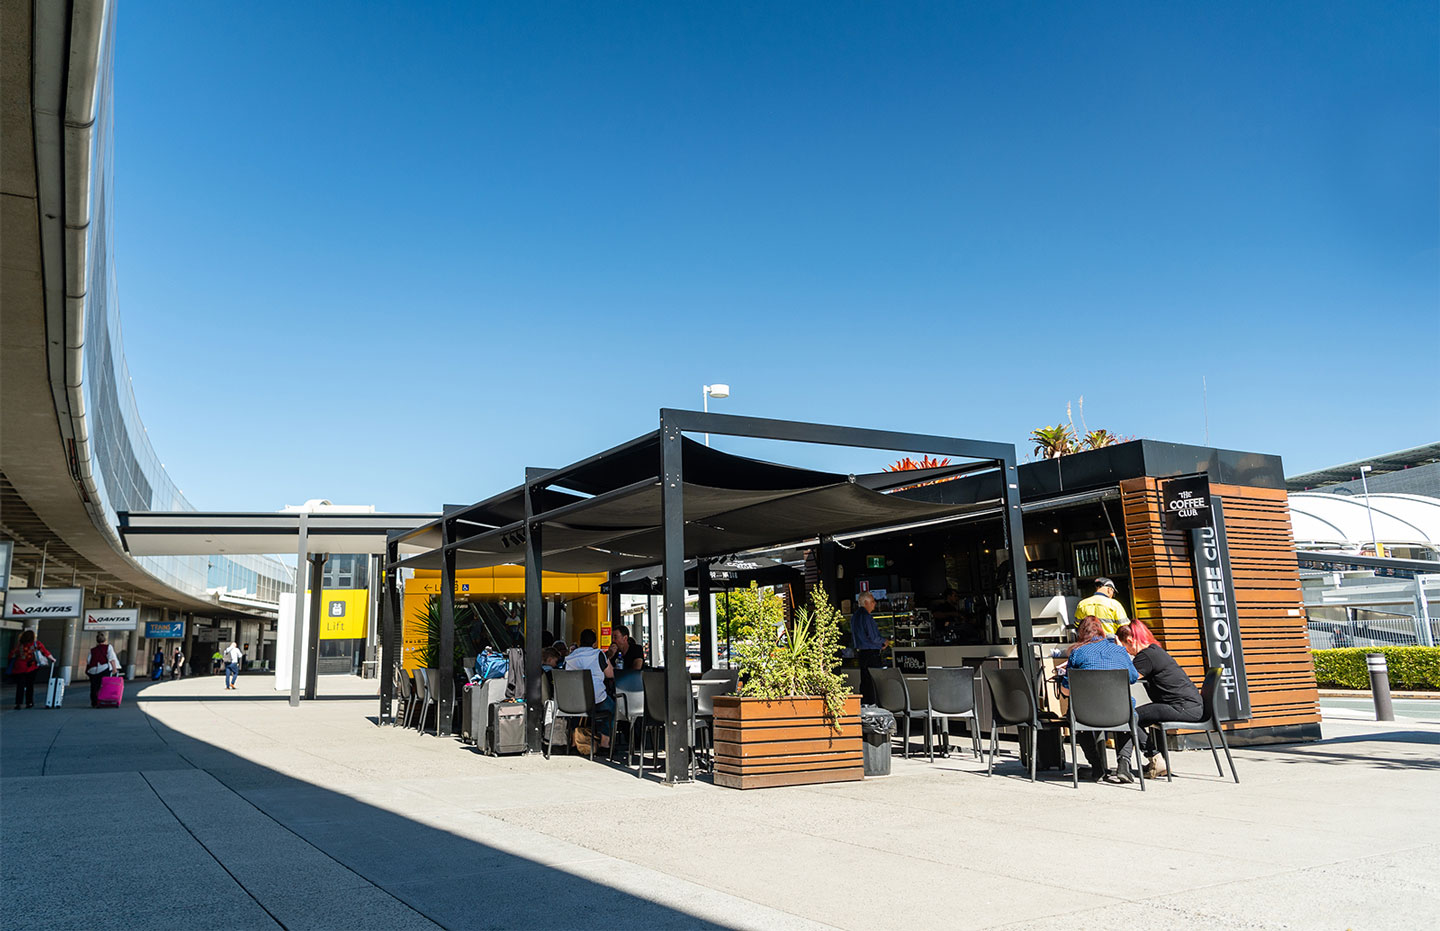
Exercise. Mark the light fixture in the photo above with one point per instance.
(712, 391)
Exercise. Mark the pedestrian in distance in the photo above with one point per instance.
(102, 662)
(157, 664)
(865, 634)
(217, 660)
(232, 664)
(177, 664)
(26, 658)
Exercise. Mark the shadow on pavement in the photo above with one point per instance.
(283, 852)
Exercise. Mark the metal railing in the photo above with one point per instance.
(1372, 629)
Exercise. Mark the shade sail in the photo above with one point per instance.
(735, 572)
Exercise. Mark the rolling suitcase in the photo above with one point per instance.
(506, 733)
(55, 690)
(112, 691)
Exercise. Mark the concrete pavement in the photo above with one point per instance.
(233, 810)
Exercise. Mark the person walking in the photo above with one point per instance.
(865, 637)
(102, 662)
(217, 661)
(26, 658)
(177, 665)
(1103, 607)
(232, 664)
(157, 664)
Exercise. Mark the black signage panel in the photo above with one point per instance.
(910, 662)
(1186, 501)
(1219, 625)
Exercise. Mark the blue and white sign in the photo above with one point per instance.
(164, 630)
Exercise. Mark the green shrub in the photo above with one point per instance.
(1410, 667)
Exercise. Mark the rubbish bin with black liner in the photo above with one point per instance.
(877, 729)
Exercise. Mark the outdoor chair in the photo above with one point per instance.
(951, 692)
(1210, 701)
(1012, 704)
(425, 697)
(705, 713)
(1100, 701)
(629, 709)
(892, 693)
(652, 721)
(404, 697)
(572, 695)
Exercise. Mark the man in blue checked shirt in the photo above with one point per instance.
(865, 637)
(1094, 651)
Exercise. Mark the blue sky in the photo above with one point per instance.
(465, 238)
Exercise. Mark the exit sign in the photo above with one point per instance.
(874, 562)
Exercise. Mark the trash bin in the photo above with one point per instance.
(877, 729)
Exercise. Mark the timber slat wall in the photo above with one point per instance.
(1268, 606)
(783, 743)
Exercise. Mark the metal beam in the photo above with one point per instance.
(534, 613)
(297, 627)
(445, 662)
(830, 435)
(707, 616)
(389, 637)
(312, 638)
(1014, 523)
(677, 676)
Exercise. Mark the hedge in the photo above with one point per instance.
(1410, 667)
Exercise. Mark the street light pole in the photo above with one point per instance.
(1374, 541)
(712, 391)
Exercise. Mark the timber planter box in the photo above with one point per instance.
(789, 742)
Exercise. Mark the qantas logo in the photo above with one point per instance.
(39, 609)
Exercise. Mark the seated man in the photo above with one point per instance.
(550, 659)
(588, 656)
(1093, 651)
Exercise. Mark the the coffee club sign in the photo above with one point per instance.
(1188, 503)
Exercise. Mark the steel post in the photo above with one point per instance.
(707, 616)
(388, 638)
(1380, 686)
(297, 626)
(312, 633)
(1019, 574)
(534, 614)
(445, 662)
(677, 674)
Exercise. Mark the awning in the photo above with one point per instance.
(732, 572)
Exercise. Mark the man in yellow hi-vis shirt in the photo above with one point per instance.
(1109, 612)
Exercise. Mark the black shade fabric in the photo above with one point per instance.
(735, 572)
(731, 503)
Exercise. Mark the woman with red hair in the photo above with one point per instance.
(1093, 650)
(1173, 697)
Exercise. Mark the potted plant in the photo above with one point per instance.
(795, 720)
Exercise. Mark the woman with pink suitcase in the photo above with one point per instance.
(103, 668)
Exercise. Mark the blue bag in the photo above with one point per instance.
(491, 665)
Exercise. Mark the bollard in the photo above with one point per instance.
(1380, 686)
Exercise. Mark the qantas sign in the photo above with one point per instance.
(36, 603)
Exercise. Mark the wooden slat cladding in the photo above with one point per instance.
(761, 743)
(1268, 606)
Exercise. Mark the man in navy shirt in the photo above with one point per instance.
(865, 637)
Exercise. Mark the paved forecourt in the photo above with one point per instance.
(195, 806)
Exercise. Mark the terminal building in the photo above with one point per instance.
(74, 452)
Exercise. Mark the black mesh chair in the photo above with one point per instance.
(572, 695)
(1100, 701)
(424, 679)
(652, 721)
(705, 712)
(951, 691)
(893, 694)
(404, 698)
(629, 710)
(1210, 724)
(1012, 704)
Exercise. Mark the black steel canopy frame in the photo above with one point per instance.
(673, 425)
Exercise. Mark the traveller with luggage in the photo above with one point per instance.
(26, 658)
(102, 664)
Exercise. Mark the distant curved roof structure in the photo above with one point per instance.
(1379, 465)
(1344, 520)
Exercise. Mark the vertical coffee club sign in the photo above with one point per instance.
(1190, 507)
